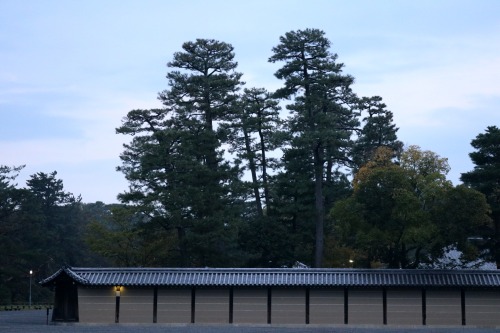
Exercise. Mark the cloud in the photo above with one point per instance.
(448, 74)
(96, 119)
(71, 72)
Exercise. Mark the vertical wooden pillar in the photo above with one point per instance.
(193, 304)
(307, 305)
(424, 307)
(346, 306)
(384, 305)
(462, 304)
(155, 305)
(231, 306)
(117, 304)
(269, 304)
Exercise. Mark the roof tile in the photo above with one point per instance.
(277, 277)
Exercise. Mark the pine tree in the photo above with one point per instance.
(378, 131)
(254, 132)
(175, 162)
(322, 117)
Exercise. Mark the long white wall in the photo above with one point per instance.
(332, 306)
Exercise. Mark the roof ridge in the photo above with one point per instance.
(285, 269)
(330, 277)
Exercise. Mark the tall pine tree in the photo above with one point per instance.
(322, 117)
(175, 162)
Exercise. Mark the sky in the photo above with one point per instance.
(71, 70)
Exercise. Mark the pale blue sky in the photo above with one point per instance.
(70, 70)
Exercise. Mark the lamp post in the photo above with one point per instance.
(31, 273)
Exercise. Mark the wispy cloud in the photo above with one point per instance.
(71, 71)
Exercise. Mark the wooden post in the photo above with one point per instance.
(462, 304)
(384, 305)
(231, 298)
(269, 304)
(307, 305)
(346, 306)
(155, 305)
(424, 307)
(193, 304)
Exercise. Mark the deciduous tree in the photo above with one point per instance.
(119, 234)
(405, 214)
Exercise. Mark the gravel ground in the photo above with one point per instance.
(35, 321)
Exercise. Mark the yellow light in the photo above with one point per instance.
(117, 288)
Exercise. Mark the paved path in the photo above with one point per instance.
(34, 321)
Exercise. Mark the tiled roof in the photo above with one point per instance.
(284, 277)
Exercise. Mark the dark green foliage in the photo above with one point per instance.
(403, 215)
(322, 118)
(486, 178)
(117, 232)
(182, 177)
(9, 195)
(175, 164)
(10, 201)
(378, 131)
(268, 243)
(461, 216)
(254, 132)
(41, 229)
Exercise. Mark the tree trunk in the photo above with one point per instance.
(212, 149)
(253, 171)
(496, 221)
(319, 206)
(265, 185)
(181, 234)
